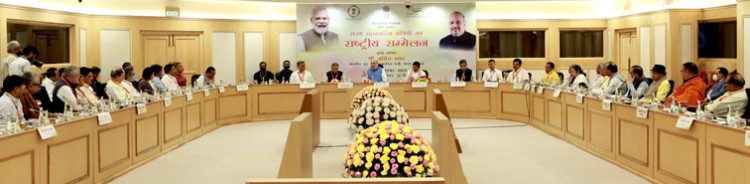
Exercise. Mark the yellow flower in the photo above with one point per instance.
(400, 137)
(394, 145)
(368, 165)
(373, 141)
(356, 161)
(349, 162)
(419, 142)
(369, 134)
(400, 159)
(383, 136)
(418, 175)
(386, 151)
(359, 140)
(384, 172)
(382, 127)
(427, 157)
(351, 150)
(361, 148)
(386, 166)
(430, 172)
(384, 159)
(420, 168)
(407, 169)
(369, 156)
(407, 130)
(373, 148)
(415, 149)
(401, 152)
(432, 165)
(394, 128)
(364, 174)
(413, 159)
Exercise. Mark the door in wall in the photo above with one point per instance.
(166, 47)
(627, 53)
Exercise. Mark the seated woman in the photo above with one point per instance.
(86, 94)
(145, 84)
(577, 77)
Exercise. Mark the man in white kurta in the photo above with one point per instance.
(492, 74)
(170, 79)
(10, 101)
(301, 75)
(735, 97)
(518, 75)
(13, 48)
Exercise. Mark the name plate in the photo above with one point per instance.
(306, 85)
(579, 98)
(518, 86)
(557, 93)
(345, 85)
(167, 102)
(642, 113)
(491, 84)
(747, 137)
(527, 87)
(46, 132)
(540, 90)
(221, 89)
(418, 84)
(189, 96)
(242, 87)
(140, 108)
(381, 84)
(458, 84)
(607, 105)
(104, 118)
(206, 92)
(684, 122)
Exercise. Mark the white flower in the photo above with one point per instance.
(369, 108)
(399, 119)
(393, 114)
(387, 110)
(378, 109)
(370, 122)
(360, 120)
(369, 115)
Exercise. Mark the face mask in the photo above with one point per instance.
(263, 69)
(715, 77)
(286, 67)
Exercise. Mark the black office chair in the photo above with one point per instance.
(649, 81)
(530, 77)
(671, 88)
(104, 95)
(746, 114)
(506, 72)
(559, 74)
(427, 74)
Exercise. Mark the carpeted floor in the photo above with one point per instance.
(495, 151)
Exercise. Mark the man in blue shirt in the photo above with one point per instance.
(158, 73)
(376, 73)
(720, 76)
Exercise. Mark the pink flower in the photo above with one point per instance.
(395, 165)
(394, 171)
(406, 161)
(408, 150)
(380, 149)
(366, 141)
(437, 168)
(362, 155)
(377, 166)
(394, 153)
(425, 163)
(401, 145)
(373, 175)
(367, 149)
(382, 142)
(393, 160)
(357, 174)
(408, 174)
(377, 156)
(413, 166)
(420, 158)
(393, 137)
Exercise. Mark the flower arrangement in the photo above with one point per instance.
(367, 93)
(424, 79)
(389, 150)
(376, 110)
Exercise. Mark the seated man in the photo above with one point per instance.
(64, 92)
(207, 79)
(660, 87)
(263, 76)
(415, 73)
(464, 74)
(334, 76)
(170, 79)
(601, 80)
(10, 103)
(721, 77)
(551, 77)
(637, 85)
(30, 106)
(693, 89)
(492, 74)
(518, 75)
(375, 73)
(302, 75)
(115, 90)
(284, 75)
(735, 97)
(616, 83)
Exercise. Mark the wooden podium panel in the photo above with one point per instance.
(680, 154)
(727, 159)
(20, 157)
(113, 145)
(69, 157)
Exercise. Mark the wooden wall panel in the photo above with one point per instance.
(575, 127)
(113, 145)
(601, 134)
(173, 128)
(209, 114)
(69, 156)
(334, 102)
(147, 136)
(555, 118)
(538, 119)
(20, 158)
(236, 106)
(680, 154)
(193, 120)
(728, 159)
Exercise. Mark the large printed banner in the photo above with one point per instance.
(436, 35)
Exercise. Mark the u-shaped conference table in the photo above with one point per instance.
(85, 152)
